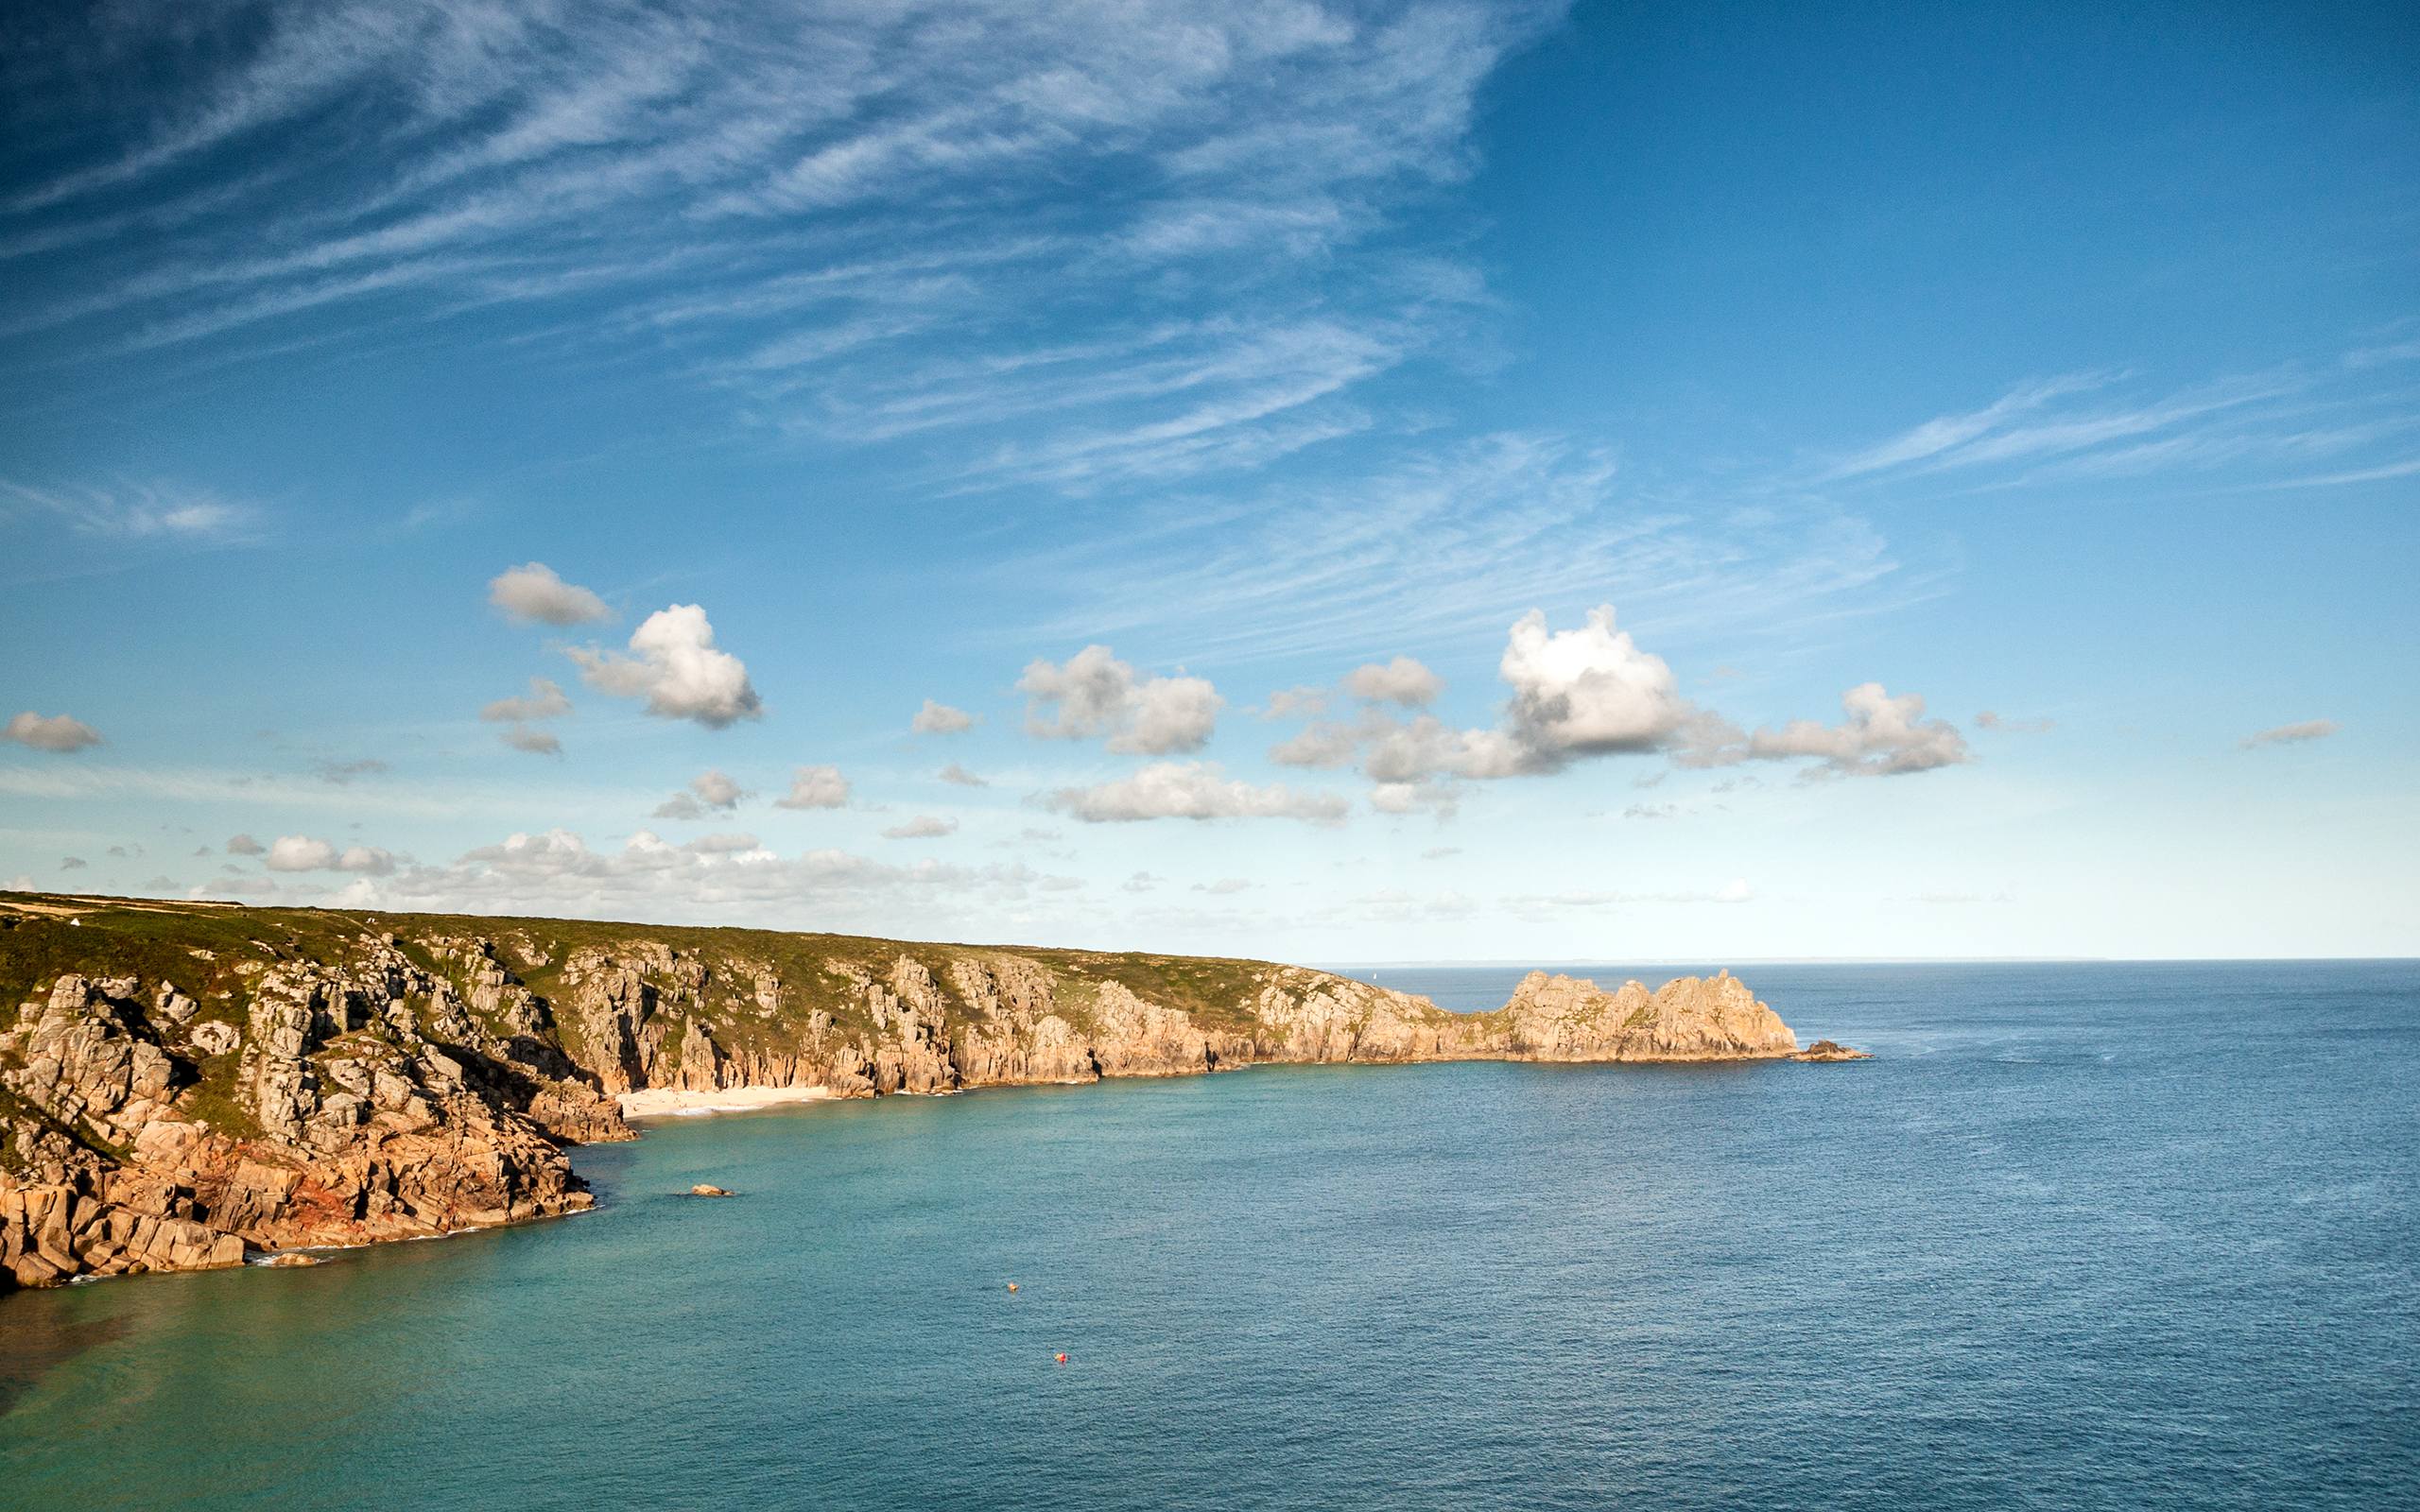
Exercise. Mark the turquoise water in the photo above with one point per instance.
(2084, 1236)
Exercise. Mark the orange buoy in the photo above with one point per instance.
(1012, 1286)
(1063, 1359)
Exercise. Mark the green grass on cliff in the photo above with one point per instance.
(44, 936)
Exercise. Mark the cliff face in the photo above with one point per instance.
(183, 1085)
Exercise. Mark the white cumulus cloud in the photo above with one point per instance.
(675, 665)
(1093, 694)
(923, 827)
(53, 732)
(1413, 797)
(1191, 790)
(1588, 692)
(710, 791)
(941, 719)
(302, 852)
(1402, 680)
(532, 593)
(544, 700)
(1881, 736)
(815, 787)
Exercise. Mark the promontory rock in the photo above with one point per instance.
(183, 1085)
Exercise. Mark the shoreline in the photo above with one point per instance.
(664, 1102)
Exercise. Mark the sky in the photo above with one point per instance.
(1328, 482)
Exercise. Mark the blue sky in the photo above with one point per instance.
(1605, 483)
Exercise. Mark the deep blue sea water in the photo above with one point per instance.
(2082, 1236)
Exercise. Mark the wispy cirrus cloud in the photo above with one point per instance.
(2294, 735)
(1437, 550)
(2274, 428)
(139, 511)
(1148, 241)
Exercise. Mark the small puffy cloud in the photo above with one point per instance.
(1578, 693)
(1224, 887)
(2290, 734)
(941, 719)
(723, 845)
(1735, 891)
(1295, 703)
(1094, 693)
(1402, 680)
(341, 773)
(243, 844)
(1140, 882)
(1325, 744)
(1441, 852)
(1588, 692)
(961, 777)
(1427, 747)
(302, 852)
(544, 700)
(710, 791)
(1988, 720)
(1881, 736)
(1411, 797)
(73, 863)
(923, 827)
(815, 787)
(53, 732)
(1191, 790)
(675, 665)
(532, 593)
(1392, 750)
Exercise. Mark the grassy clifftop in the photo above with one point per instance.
(45, 936)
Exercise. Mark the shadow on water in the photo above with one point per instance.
(40, 1332)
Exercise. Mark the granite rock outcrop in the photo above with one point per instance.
(191, 1086)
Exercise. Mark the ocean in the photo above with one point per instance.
(2081, 1235)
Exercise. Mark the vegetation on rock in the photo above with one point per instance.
(184, 1084)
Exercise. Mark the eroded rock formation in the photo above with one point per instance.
(187, 1087)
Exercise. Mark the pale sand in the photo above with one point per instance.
(661, 1101)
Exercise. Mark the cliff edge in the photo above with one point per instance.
(190, 1085)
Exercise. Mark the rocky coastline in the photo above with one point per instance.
(188, 1086)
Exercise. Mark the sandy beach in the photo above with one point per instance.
(666, 1103)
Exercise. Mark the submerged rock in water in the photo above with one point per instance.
(706, 1190)
(293, 1259)
(1831, 1050)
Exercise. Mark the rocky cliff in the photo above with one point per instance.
(188, 1085)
